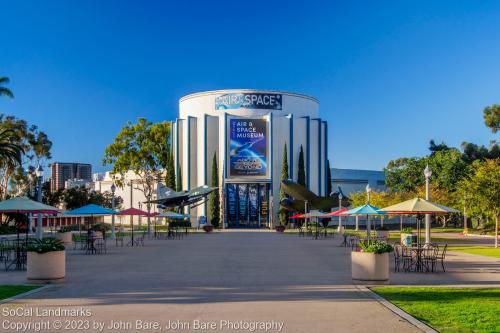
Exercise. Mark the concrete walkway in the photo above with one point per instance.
(302, 283)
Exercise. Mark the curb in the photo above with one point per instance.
(398, 311)
(23, 295)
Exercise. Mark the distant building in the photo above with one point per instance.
(61, 172)
(352, 180)
(72, 183)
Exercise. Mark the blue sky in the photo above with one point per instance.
(389, 76)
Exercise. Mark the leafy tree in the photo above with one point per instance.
(143, 149)
(4, 91)
(328, 178)
(35, 146)
(473, 152)
(76, 197)
(405, 174)
(491, 115)
(214, 199)
(301, 177)
(433, 147)
(483, 189)
(10, 151)
(448, 168)
(283, 215)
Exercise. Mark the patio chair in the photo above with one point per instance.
(398, 256)
(408, 258)
(429, 258)
(441, 256)
(140, 239)
(100, 246)
(119, 239)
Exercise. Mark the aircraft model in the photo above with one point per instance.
(169, 198)
(300, 194)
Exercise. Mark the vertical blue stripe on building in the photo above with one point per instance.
(291, 148)
(271, 153)
(326, 157)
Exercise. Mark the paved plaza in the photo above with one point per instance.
(304, 284)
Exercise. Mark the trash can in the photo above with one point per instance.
(408, 240)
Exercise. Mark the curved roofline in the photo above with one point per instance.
(226, 91)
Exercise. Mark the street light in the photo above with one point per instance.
(39, 223)
(427, 174)
(368, 227)
(340, 207)
(113, 189)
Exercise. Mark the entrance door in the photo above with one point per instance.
(247, 205)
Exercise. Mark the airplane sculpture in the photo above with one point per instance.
(169, 198)
(299, 195)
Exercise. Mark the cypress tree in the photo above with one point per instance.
(328, 178)
(170, 177)
(178, 181)
(283, 215)
(301, 177)
(213, 199)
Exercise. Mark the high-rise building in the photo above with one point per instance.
(61, 172)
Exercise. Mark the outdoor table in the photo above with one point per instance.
(419, 264)
(90, 244)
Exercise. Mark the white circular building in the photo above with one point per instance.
(247, 131)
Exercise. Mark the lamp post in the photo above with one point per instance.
(427, 174)
(340, 217)
(39, 223)
(113, 189)
(368, 227)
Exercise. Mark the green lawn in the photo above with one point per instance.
(7, 291)
(449, 309)
(480, 250)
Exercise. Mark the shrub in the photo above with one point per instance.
(375, 246)
(407, 230)
(100, 226)
(68, 228)
(45, 245)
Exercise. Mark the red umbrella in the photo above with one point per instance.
(133, 212)
(297, 216)
(339, 212)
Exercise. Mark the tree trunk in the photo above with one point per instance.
(148, 205)
(496, 231)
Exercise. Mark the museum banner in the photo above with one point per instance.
(247, 147)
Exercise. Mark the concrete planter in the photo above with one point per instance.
(46, 266)
(208, 228)
(65, 237)
(370, 267)
(383, 234)
(280, 228)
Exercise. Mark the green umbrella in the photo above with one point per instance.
(26, 205)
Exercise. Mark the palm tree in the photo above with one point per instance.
(10, 151)
(3, 90)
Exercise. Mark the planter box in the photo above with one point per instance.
(383, 233)
(208, 228)
(370, 267)
(280, 228)
(46, 266)
(65, 237)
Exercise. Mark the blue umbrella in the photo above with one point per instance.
(365, 210)
(91, 209)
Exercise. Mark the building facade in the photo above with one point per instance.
(61, 172)
(354, 180)
(246, 131)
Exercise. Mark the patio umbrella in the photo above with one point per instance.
(133, 212)
(24, 205)
(338, 212)
(297, 216)
(173, 215)
(91, 210)
(418, 206)
(365, 210)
